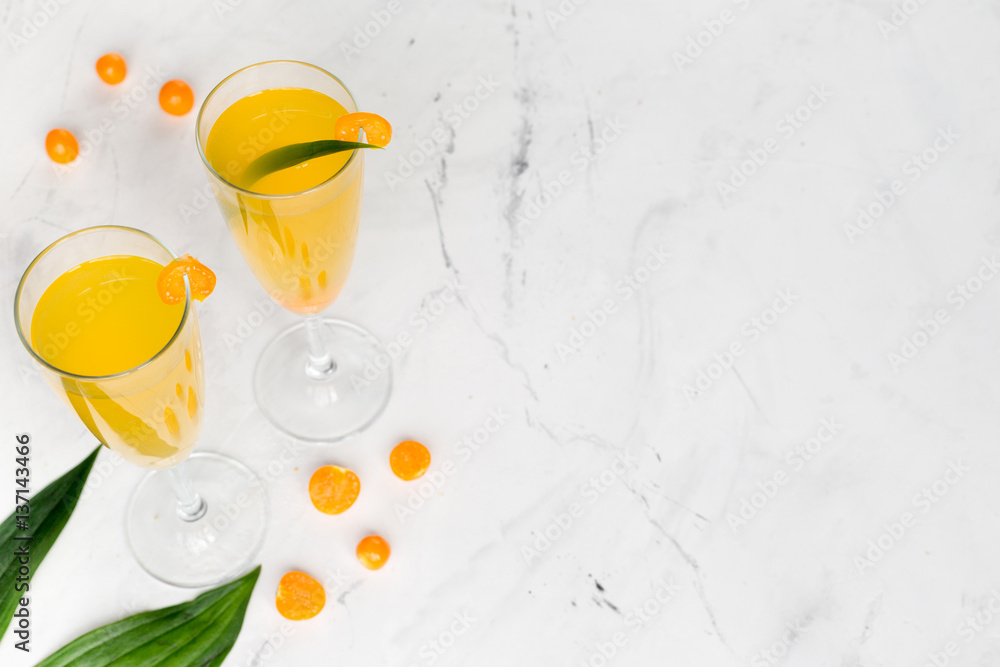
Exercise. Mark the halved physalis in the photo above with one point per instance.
(409, 460)
(373, 552)
(61, 146)
(377, 129)
(176, 97)
(334, 489)
(299, 596)
(170, 284)
(111, 68)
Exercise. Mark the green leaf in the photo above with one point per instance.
(198, 633)
(49, 510)
(293, 154)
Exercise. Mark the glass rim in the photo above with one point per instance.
(95, 378)
(251, 193)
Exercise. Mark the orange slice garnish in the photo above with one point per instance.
(409, 460)
(170, 284)
(377, 129)
(333, 489)
(299, 596)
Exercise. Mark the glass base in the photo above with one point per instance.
(329, 408)
(222, 545)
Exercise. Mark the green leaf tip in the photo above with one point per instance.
(295, 154)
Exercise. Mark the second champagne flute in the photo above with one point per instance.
(323, 379)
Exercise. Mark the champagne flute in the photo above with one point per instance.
(323, 379)
(131, 367)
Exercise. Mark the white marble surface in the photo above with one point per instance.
(668, 512)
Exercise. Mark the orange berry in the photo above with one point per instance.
(409, 460)
(334, 489)
(377, 129)
(176, 97)
(111, 68)
(299, 596)
(170, 284)
(373, 552)
(61, 146)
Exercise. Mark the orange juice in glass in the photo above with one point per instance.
(130, 366)
(300, 248)
(297, 229)
(152, 418)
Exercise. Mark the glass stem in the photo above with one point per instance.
(190, 506)
(320, 364)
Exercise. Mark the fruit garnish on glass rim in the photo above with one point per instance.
(345, 131)
(377, 129)
(170, 283)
